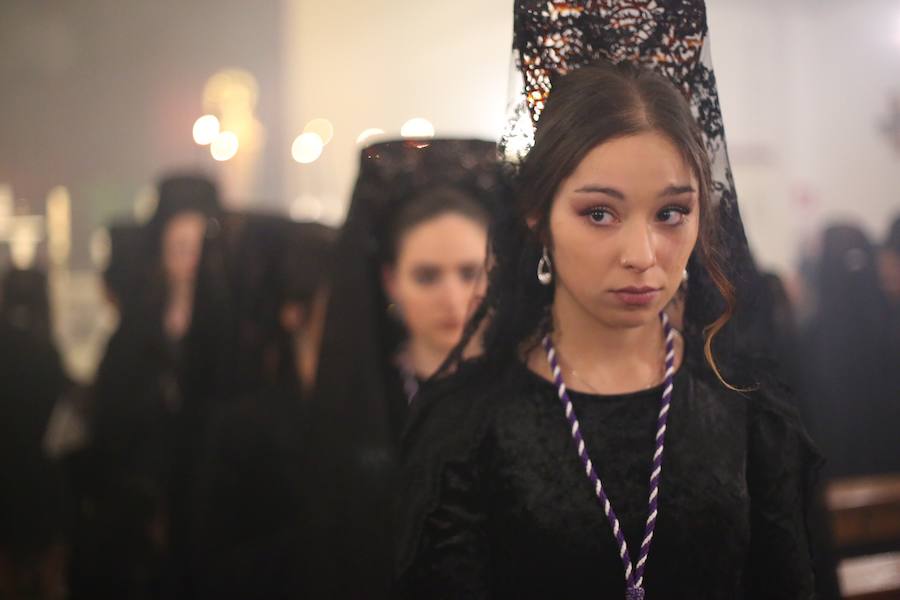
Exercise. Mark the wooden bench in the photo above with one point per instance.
(865, 513)
(875, 577)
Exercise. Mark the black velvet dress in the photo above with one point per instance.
(495, 503)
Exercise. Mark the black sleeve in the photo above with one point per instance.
(442, 549)
(781, 471)
(244, 531)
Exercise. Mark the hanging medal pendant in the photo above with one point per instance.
(634, 593)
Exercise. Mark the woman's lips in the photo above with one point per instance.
(637, 296)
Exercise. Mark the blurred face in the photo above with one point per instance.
(437, 276)
(623, 226)
(182, 244)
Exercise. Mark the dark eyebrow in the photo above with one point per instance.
(591, 188)
(677, 190)
(422, 267)
(672, 190)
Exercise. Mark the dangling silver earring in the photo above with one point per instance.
(545, 269)
(684, 276)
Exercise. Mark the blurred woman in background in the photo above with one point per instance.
(408, 268)
(32, 380)
(124, 534)
(248, 529)
(849, 361)
(433, 274)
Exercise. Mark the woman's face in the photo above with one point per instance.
(623, 226)
(437, 276)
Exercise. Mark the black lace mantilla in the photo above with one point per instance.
(670, 37)
(551, 38)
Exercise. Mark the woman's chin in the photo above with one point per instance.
(445, 341)
(629, 317)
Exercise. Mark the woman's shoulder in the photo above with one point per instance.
(775, 431)
(445, 430)
(451, 414)
(779, 440)
(764, 396)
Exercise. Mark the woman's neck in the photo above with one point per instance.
(424, 359)
(179, 309)
(600, 357)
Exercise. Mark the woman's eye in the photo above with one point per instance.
(674, 215)
(600, 216)
(470, 273)
(426, 276)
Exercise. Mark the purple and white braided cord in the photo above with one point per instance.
(634, 575)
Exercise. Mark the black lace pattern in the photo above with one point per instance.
(553, 37)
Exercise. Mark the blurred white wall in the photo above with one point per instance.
(100, 96)
(378, 63)
(804, 87)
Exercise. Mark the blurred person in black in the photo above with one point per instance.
(32, 381)
(139, 398)
(846, 376)
(780, 328)
(251, 296)
(270, 263)
(121, 277)
(248, 524)
(407, 269)
(849, 381)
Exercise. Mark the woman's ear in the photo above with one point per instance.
(540, 230)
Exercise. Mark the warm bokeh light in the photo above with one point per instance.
(321, 127)
(232, 95)
(206, 129)
(225, 146)
(371, 132)
(307, 147)
(417, 128)
(231, 90)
